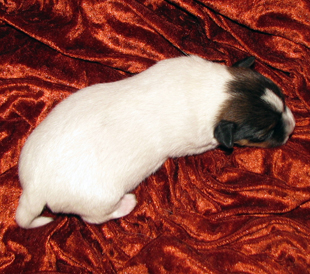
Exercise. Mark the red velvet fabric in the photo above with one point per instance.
(243, 212)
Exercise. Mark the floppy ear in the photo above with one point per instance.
(245, 63)
(224, 133)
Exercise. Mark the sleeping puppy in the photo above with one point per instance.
(98, 144)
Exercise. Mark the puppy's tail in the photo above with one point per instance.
(27, 213)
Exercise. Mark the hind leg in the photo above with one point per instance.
(125, 205)
(28, 211)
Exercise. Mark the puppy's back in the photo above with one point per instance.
(102, 141)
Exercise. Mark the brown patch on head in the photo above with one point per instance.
(247, 90)
(256, 121)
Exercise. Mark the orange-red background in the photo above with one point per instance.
(244, 212)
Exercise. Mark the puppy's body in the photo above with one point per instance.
(101, 142)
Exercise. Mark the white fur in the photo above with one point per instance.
(271, 98)
(102, 141)
(289, 122)
(287, 115)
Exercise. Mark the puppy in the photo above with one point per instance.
(98, 144)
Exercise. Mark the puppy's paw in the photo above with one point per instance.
(125, 206)
(40, 221)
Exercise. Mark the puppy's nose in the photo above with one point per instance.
(289, 123)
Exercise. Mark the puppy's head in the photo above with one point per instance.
(255, 113)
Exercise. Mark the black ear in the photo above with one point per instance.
(245, 63)
(224, 133)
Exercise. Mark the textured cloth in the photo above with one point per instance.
(241, 212)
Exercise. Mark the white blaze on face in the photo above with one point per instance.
(274, 100)
(287, 116)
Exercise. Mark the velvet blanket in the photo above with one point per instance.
(245, 211)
